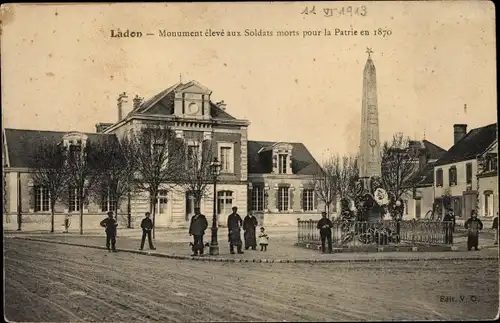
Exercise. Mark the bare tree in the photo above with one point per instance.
(81, 165)
(48, 173)
(337, 180)
(157, 160)
(399, 163)
(196, 175)
(114, 172)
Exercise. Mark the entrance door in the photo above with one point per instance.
(418, 208)
(470, 201)
(162, 209)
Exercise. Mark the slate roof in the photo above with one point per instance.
(433, 150)
(303, 163)
(163, 103)
(474, 143)
(23, 144)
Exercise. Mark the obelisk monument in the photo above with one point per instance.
(369, 148)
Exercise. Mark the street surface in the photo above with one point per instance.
(60, 283)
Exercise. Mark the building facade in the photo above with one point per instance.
(281, 183)
(487, 179)
(419, 199)
(189, 111)
(456, 180)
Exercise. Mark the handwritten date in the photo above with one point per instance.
(342, 11)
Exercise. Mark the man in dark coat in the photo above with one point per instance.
(234, 224)
(197, 229)
(110, 225)
(495, 227)
(473, 226)
(448, 228)
(147, 226)
(324, 226)
(249, 226)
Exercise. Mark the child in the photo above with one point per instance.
(263, 240)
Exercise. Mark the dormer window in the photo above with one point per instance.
(282, 163)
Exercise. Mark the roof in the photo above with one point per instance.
(163, 103)
(303, 163)
(23, 144)
(470, 146)
(433, 150)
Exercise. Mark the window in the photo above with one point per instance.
(162, 202)
(488, 203)
(283, 199)
(75, 151)
(258, 198)
(42, 201)
(406, 206)
(226, 158)
(282, 159)
(193, 155)
(74, 200)
(108, 203)
(452, 176)
(439, 177)
(468, 173)
(308, 200)
(224, 202)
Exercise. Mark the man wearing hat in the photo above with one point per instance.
(147, 226)
(234, 224)
(110, 225)
(197, 229)
(325, 231)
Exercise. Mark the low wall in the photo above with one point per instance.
(42, 221)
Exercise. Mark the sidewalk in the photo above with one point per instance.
(279, 251)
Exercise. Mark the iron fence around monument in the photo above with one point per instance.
(346, 234)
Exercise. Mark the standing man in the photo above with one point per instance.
(324, 226)
(448, 227)
(147, 226)
(110, 225)
(453, 218)
(234, 224)
(473, 226)
(197, 229)
(249, 226)
(495, 227)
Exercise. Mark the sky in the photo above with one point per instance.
(61, 70)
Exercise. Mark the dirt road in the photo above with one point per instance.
(58, 283)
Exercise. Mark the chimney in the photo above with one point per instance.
(221, 105)
(459, 131)
(122, 101)
(137, 101)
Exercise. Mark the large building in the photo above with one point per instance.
(457, 177)
(272, 178)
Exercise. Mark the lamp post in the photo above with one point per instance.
(214, 245)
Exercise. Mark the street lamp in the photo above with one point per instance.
(215, 167)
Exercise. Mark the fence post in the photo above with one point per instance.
(298, 229)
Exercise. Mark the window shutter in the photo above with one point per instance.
(291, 198)
(302, 200)
(315, 198)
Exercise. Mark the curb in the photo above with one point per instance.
(236, 260)
(377, 249)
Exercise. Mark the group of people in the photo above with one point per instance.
(249, 225)
(235, 224)
(110, 225)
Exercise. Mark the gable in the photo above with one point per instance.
(193, 87)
